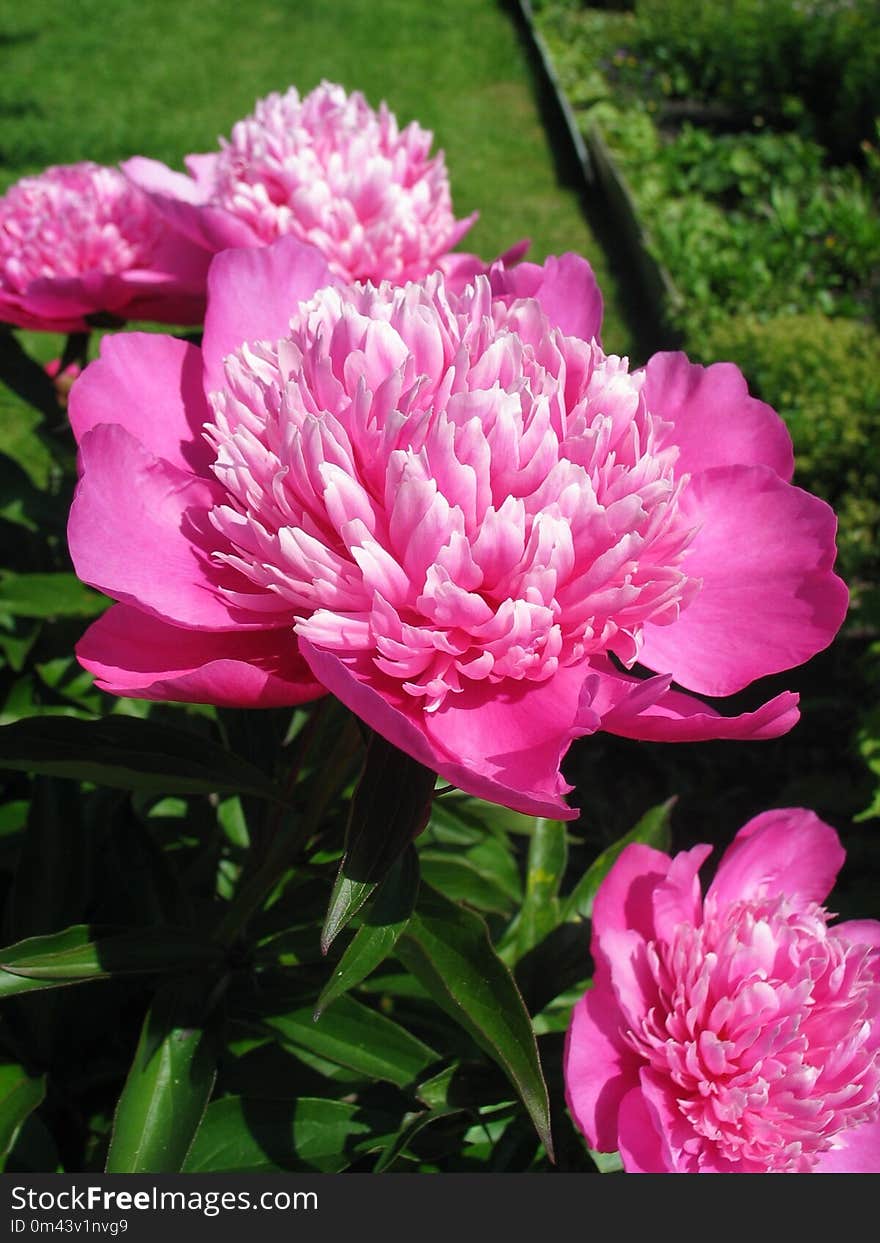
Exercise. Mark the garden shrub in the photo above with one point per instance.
(812, 65)
(750, 222)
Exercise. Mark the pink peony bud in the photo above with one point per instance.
(328, 170)
(452, 510)
(78, 241)
(739, 1034)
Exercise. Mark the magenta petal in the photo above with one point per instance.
(856, 1151)
(639, 1141)
(139, 532)
(517, 736)
(678, 898)
(496, 777)
(790, 851)
(769, 599)
(565, 287)
(133, 654)
(677, 717)
(152, 386)
(252, 295)
(182, 202)
(62, 297)
(859, 931)
(157, 178)
(717, 422)
(459, 268)
(599, 1067)
(624, 900)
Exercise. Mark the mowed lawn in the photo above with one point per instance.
(91, 80)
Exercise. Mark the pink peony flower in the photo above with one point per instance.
(454, 511)
(328, 170)
(735, 1034)
(79, 240)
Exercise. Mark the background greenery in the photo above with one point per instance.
(176, 863)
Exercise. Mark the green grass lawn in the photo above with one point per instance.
(88, 80)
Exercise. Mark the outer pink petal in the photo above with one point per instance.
(63, 297)
(152, 386)
(460, 268)
(769, 599)
(599, 1067)
(790, 850)
(517, 735)
(678, 899)
(623, 954)
(859, 931)
(139, 531)
(672, 716)
(183, 203)
(565, 287)
(514, 779)
(15, 310)
(157, 178)
(856, 1151)
(252, 296)
(134, 654)
(717, 422)
(624, 900)
(639, 1140)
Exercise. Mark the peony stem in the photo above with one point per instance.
(287, 842)
(76, 351)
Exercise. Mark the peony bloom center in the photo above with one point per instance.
(334, 173)
(762, 1023)
(71, 220)
(448, 487)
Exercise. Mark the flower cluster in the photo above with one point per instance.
(735, 1034)
(79, 243)
(392, 474)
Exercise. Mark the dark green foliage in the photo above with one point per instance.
(813, 65)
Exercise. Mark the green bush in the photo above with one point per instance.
(811, 64)
(754, 223)
(822, 376)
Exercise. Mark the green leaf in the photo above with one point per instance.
(169, 1083)
(391, 806)
(82, 953)
(20, 1094)
(548, 855)
(52, 882)
(129, 754)
(353, 1035)
(25, 377)
(385, 920)
(651, 830)
(607, 1162)
(48, 595)
(408, 1133)
(484, 875)
(447, 949)
(256, 1136)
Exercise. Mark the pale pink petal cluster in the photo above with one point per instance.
(735, 1034)
(329, 170)
(452, 510)
(80, 240)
